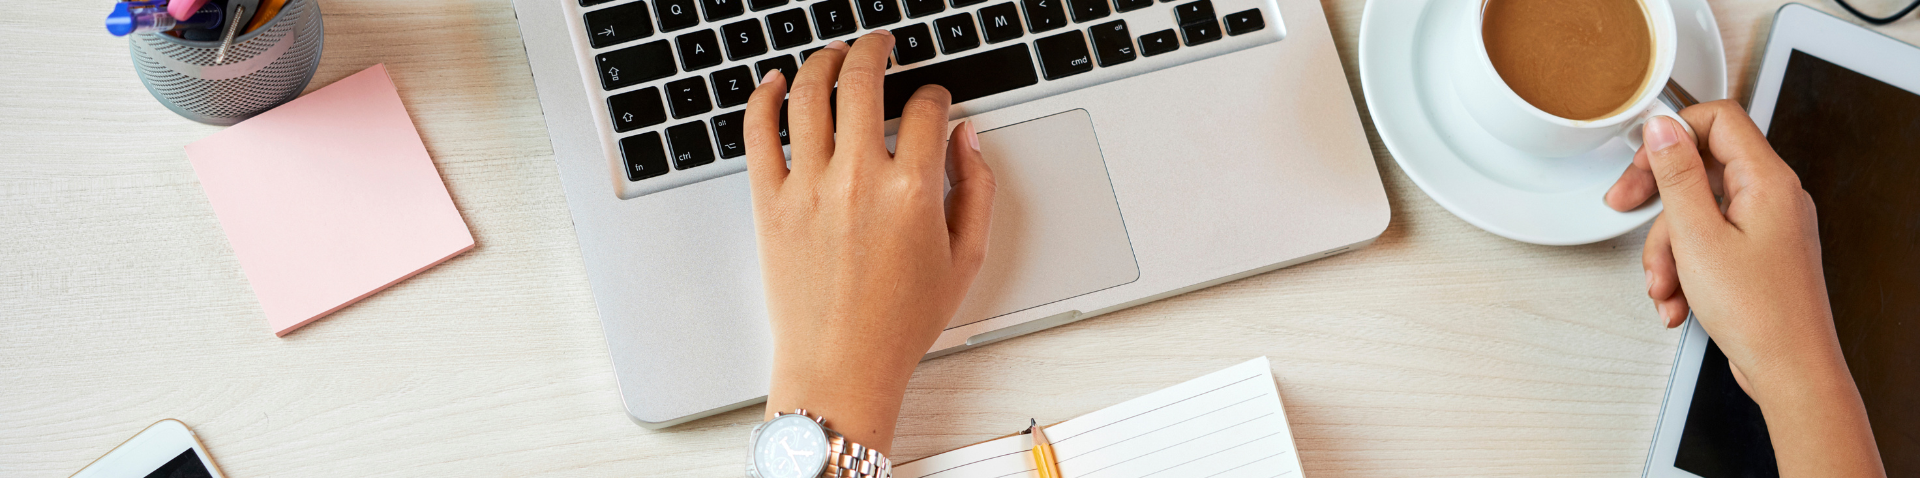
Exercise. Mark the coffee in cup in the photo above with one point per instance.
(1576, 59)
(1560, 78)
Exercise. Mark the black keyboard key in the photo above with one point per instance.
(636, 109)
(875, 13)
(698, 50)
(1000, 23)
(1201, 32)
(733, 86)
(784, 63)
(1112, 43)
(635, 65)
(957, 33)
(589, 3)
(722, 9)
(921, 8)
(643, 155)
(788, 29)
(744, 39)
(758, 5)
(1064, 55)
(1244, 22)
(619, 24)
(967, 3)
(1088, 10)
(912, 44)
(1131, 5)
(967, 78)
(729, 134)
(1193, 12)
(690, 144)
(832, 18)
(688, 97)
(783, 123)
(804, 54)
(676, 14)
(1043, 15)
(1159, 42)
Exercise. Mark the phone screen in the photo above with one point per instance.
(1855, 142)
(186, 465)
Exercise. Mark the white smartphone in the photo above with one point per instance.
(165, 449)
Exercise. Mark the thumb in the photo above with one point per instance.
(1682, 178)
(970, 203)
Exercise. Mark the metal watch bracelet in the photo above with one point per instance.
(846, 459)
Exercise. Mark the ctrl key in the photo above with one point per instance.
(691, 146)
(644, 156)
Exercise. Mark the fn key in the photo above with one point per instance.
(644, 156)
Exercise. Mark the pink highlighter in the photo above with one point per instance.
(183, 9)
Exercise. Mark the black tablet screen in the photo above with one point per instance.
(1855, 142)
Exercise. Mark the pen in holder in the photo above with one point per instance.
(263, 68)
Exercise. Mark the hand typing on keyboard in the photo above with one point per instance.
(865, 253)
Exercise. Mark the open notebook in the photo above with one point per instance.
(1228, 424)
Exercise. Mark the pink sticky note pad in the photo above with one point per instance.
(329, 198)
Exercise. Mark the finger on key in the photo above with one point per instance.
(863, 75)
(766, 164)
(922, 141)
(810, 108)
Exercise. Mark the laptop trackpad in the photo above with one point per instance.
(1057, 231)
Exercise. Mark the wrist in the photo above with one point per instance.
(857, 391)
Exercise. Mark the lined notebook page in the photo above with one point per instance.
(1228, 424)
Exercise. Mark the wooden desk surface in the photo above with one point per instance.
(1441, 350)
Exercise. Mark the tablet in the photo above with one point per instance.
(1841, 104)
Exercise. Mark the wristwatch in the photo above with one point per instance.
(794, 445)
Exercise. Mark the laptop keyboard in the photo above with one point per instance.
(674, 75)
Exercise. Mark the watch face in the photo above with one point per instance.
(792, 446)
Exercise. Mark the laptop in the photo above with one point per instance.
(1141, 149)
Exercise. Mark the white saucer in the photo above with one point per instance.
(1405, 48)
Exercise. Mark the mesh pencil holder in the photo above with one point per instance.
(264, 68)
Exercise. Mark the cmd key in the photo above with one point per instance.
(1064, 55)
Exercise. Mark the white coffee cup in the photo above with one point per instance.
(1527, 128)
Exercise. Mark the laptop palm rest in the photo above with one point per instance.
(1057, 231)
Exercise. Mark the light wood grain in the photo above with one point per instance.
(1441, 350)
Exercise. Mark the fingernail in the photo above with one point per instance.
(764, 79)
(973, 138)
(1662, 132)
(1661, 308)
(837, 45)
(1649, 283)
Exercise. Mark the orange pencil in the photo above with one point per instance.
(1043, 460)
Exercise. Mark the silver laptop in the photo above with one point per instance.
(1142, 150)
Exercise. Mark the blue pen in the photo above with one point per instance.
(135, 16)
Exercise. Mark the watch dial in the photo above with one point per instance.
(791, 446)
